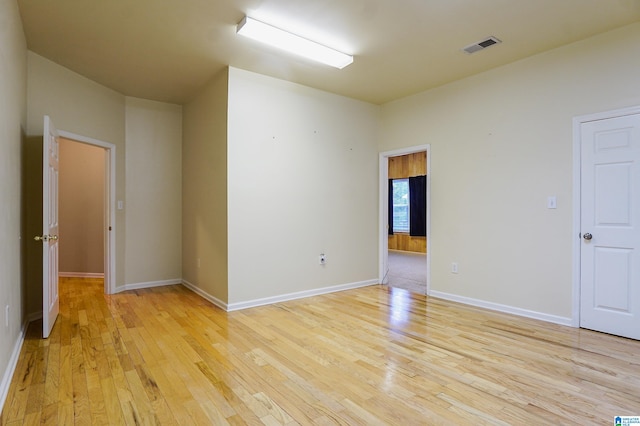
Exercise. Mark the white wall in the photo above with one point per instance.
(501, 143)
(302, 180)
(13, 121)
(153, 193)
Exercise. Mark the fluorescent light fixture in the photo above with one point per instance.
(292, 43)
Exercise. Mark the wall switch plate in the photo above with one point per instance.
(454, 268)
(551, 202)
(120, 204)
(322, 259)
(6, 316)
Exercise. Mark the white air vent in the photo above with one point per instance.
(481, 45)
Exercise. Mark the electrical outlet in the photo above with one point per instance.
(454, 268)
(322, 259)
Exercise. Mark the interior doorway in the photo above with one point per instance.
(105, 224)
(404, 256)
(81, 200)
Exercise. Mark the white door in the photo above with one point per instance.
(49, 238)
(610, 226)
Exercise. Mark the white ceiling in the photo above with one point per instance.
(166, 50)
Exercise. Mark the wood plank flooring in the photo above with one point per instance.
(370, 356)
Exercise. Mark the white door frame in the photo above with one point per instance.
(577, 183)
(110, 206)
(383, 197)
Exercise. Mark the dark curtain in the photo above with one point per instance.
(390, 206)
(418, 206)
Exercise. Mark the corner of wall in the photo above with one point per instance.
(204, 189)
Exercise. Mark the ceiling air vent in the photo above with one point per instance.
(481, 45)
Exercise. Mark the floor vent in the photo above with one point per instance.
(481, 45)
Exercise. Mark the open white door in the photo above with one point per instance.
(49, 237)
(610, 226)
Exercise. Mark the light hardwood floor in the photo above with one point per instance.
(369, 356)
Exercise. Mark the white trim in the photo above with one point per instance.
(219, 303)
(503, 308)
(13, 359)
(577, 186)
(383, 244)
(276, 299)
(110, 207)
(298, 295)
(148, 284)
(81, 274)
(383, 214)
(575, 250)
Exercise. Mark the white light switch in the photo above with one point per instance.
(120, 204)
(551, 202)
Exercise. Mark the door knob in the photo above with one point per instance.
(587, 236)
(46, 238)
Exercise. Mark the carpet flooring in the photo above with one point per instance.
(408, 270)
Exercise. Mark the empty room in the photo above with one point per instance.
(253, 204)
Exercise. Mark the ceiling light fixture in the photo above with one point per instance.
(292, 43)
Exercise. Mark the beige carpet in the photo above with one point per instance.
(408, 270)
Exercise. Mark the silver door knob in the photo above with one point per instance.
(587, 236)
(46, 238)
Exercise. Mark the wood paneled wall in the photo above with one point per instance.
(408, 165)
(402, 167)
(405, 242)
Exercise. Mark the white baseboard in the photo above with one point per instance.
(81, 274)
(219, 303)
(149, 284)
(299, 295)
(13, 360)
(276, 299)
(503, 308)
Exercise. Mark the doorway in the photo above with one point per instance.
(607, 222)
(81, 215)
(107, 224)
(401, 257)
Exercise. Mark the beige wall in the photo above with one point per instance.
(13, 87)
(153, 193)
(302, 180)
(81, 208)
(204, 189)
(501, 143)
